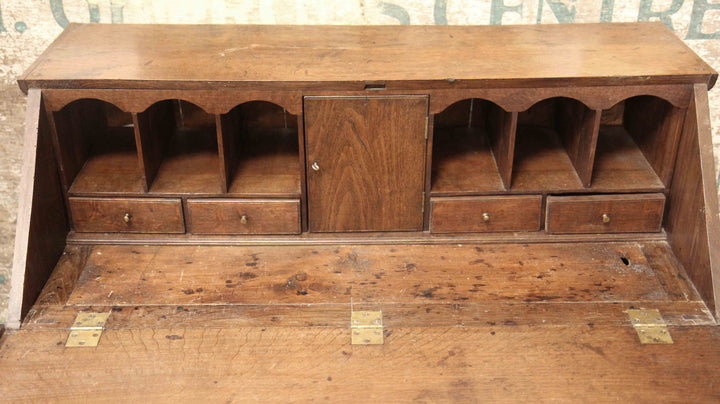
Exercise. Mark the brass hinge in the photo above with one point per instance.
(423, 202)
(366, 328)
(427, 123)
(87, 329)
(650, 326)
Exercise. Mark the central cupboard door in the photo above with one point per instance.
(365, 162)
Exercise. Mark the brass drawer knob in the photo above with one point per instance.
(127, 218)
(485, 217)
(315, 166)
(243, 219)
(606, 218)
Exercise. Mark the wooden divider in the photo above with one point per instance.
(152, 130)
(502, 128)
(578, 127)
(655, 126)
(227, 127)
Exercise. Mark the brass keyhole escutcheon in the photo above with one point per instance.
(315, 166)
(243, 219)
(127, 218)
(606, 218)
(485, 217)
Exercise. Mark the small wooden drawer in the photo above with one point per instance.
(633, 213)
(126, 215)
(244, 216)
(485, 214)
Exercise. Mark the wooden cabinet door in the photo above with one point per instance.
(365, 162)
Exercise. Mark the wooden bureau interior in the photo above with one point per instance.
(379, 174)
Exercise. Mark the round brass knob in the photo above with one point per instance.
(485, 217)
(606, 218)
(243, 219)
(315, 166)
(127, 218)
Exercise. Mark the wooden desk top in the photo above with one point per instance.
(348, 57)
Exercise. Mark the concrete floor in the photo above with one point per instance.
(28, 26)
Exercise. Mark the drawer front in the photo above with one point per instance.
(125, 215)
(485, 214)
(605, 214)
(247, 216)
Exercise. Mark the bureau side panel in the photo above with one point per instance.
(692, 222)
(42, 224)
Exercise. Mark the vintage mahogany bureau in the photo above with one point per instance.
(515, 211)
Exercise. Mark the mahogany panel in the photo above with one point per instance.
(127, 215)
(692, 221)
(42, 221)
(282, 57)
(605, 213)
(485, 214)
(366, 161)
(248, 216)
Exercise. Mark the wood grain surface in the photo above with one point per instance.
(127, 215)
(485, 214)
(369, 159)
(243, 216)
(554, 272)
(441, 364)
(692, 218)
(42, 221)
(655, 126)
(112, 167)
(283, 57)
(620, 165)
(541, 162)
(463, 163)
(632, 213)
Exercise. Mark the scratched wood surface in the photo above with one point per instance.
(181, 275)
(200, 56)
(437, 364)
(277, 318)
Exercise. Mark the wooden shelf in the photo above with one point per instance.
(190, 165)
(268, 165)
(463, 163)
(541, 162)
(620, 165)
(112, 167)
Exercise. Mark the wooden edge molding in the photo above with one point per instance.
(212, 102)
(521, 99)
(510, 99)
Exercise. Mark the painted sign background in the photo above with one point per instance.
(27, 27)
